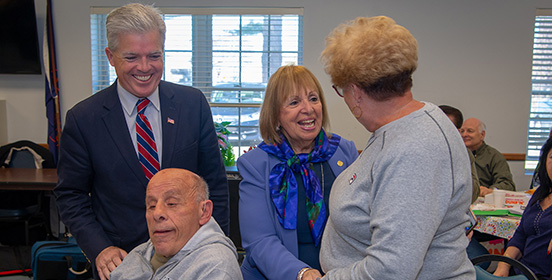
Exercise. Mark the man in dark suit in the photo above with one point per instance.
(102, 173)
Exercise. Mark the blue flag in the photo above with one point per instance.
(52, 82)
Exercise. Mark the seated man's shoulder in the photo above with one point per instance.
(220, 254)
(210, 255)
(495, 153)
(216, 260)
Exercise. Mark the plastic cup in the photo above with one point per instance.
(499, 198)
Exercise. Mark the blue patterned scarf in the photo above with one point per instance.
(283, 186)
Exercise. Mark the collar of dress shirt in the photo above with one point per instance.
(128, 100)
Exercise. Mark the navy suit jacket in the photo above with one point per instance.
(271, 251)
(101, 187)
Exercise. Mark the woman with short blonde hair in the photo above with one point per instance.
(399, 211)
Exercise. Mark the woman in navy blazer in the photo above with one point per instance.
(287, 179)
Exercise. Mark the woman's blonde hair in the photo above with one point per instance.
(376, 54)
(285, 82)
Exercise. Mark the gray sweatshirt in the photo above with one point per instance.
(399, 211)
(209, 254)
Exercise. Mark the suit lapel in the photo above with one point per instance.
(170, 113)
(115, 122)
(336, 162)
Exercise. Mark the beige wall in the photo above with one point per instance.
(474, 55)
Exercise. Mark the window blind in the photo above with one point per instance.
(540, 116)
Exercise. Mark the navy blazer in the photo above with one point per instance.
(271, 251)
(101, 187)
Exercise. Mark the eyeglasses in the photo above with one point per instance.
(339, 91)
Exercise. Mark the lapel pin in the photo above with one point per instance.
(339, 163)
(169, 120)
(352, 178)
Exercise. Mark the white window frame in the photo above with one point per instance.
(202, 59)
(540, 115)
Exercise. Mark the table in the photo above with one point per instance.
(28, 179)
(32, 179)
(501, 226)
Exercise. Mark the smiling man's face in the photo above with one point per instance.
(138, 62)
(472, 134)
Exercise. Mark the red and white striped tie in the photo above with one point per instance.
(147, 150)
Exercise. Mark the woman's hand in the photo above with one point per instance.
(311, 274)
(502, 270)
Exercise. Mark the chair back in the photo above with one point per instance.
(22, 158)
(482, 274)
(26, 154)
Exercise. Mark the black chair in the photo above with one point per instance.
(234, 180)
(482, 274)
(24, 206)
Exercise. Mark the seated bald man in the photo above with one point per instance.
(185, 241)
(492, 168)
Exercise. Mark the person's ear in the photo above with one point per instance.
(357, 93)
(109, 55)
(483, 134)
(206, 212)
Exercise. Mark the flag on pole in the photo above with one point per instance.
(52, 81)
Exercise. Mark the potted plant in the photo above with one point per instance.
(224, 145)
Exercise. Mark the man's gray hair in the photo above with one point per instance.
(133, 18)
(482, 127)
(202, 189)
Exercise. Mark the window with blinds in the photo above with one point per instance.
(540, 116)
(227, 53)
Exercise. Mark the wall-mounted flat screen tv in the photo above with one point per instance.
(19, 48)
